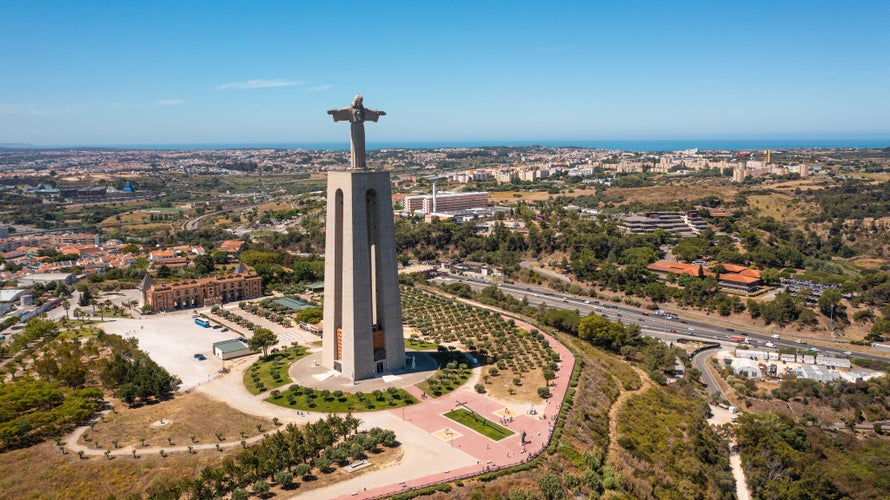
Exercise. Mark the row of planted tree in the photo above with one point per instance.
(270, 310)
(283, 457)
(487, 333)
(234, 318)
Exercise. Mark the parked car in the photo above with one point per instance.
(200, 357)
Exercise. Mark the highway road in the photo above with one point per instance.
(192, 224)
(652, 323)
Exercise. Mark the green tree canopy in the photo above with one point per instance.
(311, 315)
(263, 338)
(601, 332)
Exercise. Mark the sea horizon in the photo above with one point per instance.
(618, 144)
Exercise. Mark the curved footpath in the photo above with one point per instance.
(617, 406)
(72, 444)
(428, 458)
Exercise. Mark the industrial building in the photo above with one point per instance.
(47, 278)
(229, 349)
(445, 202)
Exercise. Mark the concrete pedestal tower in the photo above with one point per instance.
(362, 334)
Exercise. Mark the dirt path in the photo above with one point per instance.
(735, 463)
(612, 456)
(73, 444)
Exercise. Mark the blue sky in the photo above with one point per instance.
(90, 73)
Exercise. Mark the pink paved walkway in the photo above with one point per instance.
(490, 454)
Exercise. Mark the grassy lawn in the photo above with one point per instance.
(271, 372)
(417, 344)
(306, 398)
(481, 425)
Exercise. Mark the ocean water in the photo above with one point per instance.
(623, 144)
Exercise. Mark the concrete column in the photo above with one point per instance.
(361, 280)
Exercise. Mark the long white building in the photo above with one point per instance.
(445, 202)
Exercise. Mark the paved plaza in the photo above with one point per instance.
(309, 372)
(172, 340)
(434, 448)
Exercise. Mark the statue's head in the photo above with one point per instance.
(357, 102)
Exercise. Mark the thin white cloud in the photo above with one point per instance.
(257, 84)
(13, 108)
(118, 106)
(319, 88)
(169, 102)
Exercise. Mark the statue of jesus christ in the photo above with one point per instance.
(356, 115)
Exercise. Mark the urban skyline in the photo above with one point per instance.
(136, 73)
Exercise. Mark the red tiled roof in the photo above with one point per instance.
(738, 278)
(732, 272)
(230, 245)
(664, 266)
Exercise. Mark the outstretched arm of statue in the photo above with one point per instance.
(341, 114)
(373, 114)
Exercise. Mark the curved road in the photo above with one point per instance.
(680, 323)
(192, 224)
(700, 361)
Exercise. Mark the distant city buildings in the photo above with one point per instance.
(754, 168)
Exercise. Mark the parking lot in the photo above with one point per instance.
(172, 340)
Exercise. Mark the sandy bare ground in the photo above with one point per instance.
(719, 417)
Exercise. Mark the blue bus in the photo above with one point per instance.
(202, 322)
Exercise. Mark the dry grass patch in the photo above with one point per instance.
(41, 471)
(501, 387)
(672, 193)
(876, 176)
(190, 415)
(809, 183)
(781, 206)
(502, 196)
